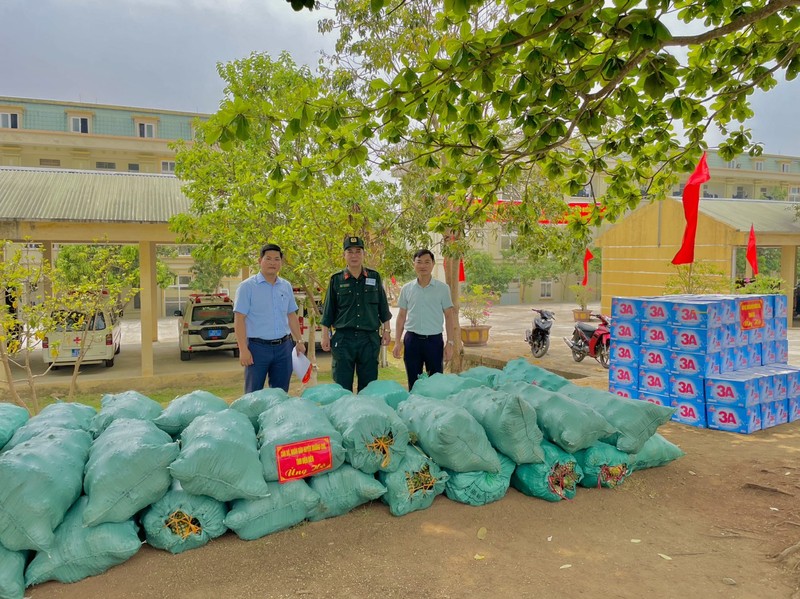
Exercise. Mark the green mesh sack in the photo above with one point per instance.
(342, 490)
(11, 418)
(521, 370)
(12, 573)
(180, 521)
(325, 394)
(182, 410)
(636, 421)
(480, 488)
(74, 416)
(128, 469)
(509, 422)
(556, 479)
(286, 505)
(255, 403)
(449, 434)
(657, 451)
(414, 485)
(488, 377)
(41, 479)
(292, 421)
(219, 458)
(564, 421)
(391, 392)
(603, 465)
(440, 386)
(373, 435)
(128, 404)
(80, 551)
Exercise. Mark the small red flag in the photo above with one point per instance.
(586, 257)
(394, 281)
(691, 204)
(461, 274)
(752, 254)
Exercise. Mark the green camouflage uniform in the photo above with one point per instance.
(355, 308)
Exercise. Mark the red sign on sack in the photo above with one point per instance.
(751, 314)
(304, 458)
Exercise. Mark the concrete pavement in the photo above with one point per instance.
(506, 342)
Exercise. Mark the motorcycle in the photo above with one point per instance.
(591, 340)
(539, 337)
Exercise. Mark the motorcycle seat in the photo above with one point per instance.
(586, 327)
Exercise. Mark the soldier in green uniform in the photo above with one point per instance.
(355, 307)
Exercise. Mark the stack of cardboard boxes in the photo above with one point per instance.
(721, 361)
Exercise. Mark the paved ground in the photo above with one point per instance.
(213, 368)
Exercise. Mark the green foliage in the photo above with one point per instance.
(700, 277)
(476, 304)
(761, 284)
(76, 264)
(583, 294)
(482, 270)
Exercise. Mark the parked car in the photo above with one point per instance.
(63, 346)
(206, 324)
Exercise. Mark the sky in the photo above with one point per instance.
(163, 54)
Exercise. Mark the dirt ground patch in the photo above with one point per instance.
(719, 513)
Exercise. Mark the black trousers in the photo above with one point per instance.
(422, 351)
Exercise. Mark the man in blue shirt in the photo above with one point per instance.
(424, 304)
(265, 318)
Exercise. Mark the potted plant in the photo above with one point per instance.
(476, 306)
(583, 293)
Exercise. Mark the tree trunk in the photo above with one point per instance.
(451, 278)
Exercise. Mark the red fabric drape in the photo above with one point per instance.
(462, 276)
(586, 257)
(691, 204)
(752, 253)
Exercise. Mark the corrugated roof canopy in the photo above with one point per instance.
(32, 194)
(766, 216)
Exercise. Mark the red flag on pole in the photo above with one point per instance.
(461, 274)
(752, 254)
(691, 204)
(586, 257)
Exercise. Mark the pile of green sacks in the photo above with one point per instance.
(82, 489)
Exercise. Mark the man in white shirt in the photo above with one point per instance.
(425, 305)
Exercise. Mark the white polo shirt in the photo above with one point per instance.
(425, 306)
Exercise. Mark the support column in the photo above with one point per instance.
(147, 284)
(788, 274)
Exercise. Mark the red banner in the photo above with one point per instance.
(752, 251)
(304, 458)
(751, 314)
(586, 257)
(691, 205)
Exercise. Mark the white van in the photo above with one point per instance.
(63, 346)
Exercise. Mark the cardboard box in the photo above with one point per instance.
(654, 381)
(729, 334)
(753, 355)
(781, 306)
(756, 335)
(704, 341)
(727, 360)
(741, 358)
(657, 311)
(769, 353)
(626, 308)
(742, 336)
(733, 419)
(687, 387)
(794, 409)
(656, 335)
(655, 358)
(627, 392)
(624, 353)
(659, 400)
(693, 364)
(734, 389)
(782, 351)
(781, 411)
(691, 412)
(769, 330)
(623, 375)
(781, 326)
(697, 314)
(626, 331)
(768, 415)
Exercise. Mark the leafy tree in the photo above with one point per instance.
(207, 272)
(75, 263)
(239, 200)
(481, 269)
(699, 277)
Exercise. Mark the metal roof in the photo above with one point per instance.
(35, 194)
(766, 216)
